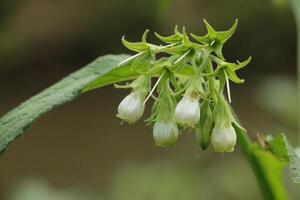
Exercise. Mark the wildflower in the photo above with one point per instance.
(131, 108)
(165, 133)
(223, 139)
(188, 110)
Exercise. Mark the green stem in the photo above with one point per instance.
(211, 82)
(272, 187)
(269, 178)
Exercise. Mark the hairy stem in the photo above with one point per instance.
(272, 187)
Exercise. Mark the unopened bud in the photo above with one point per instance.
(188, 110)
(131, 108)
(223, 139)
(165, 134)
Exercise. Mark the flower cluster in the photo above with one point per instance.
(189, 90)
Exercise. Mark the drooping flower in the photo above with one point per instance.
(188, 110)
(165, 130)
(223, 136)
(131, 107)
(165, 133)
(223, 139)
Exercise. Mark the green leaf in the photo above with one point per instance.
(103, 69)
(120, 74)
(123, 73)
(283, 150)
(278, 147)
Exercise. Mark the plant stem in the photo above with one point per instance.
(271, 186)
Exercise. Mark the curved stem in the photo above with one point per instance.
(272, 187)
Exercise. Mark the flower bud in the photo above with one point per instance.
(165, 133)
(188, 110)
(223, 139)
(131, 108)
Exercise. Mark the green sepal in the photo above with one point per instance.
(137, 46)
(223, 36)
(222, 115)
(159, 65)
(143, 83)
(176, 37)
(211, 74)
(239, 65)
(234, 120)
(145, 34)
(144, 59)
(204, 128)
(164, 106)
(184, 71)
(229, 69)
(215, 39)
(222, 78)
(233, 77)
(178, 49)
(185, 39)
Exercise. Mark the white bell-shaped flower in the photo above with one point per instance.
(223, 139)
(188, 110)
(165, 133)
(131, 108)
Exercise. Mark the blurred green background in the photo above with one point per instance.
(80, 150)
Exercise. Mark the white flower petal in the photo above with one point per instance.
(131, 108)
(165, 134)
(223, 139)
(188, 111)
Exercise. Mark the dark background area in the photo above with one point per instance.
(83, 144)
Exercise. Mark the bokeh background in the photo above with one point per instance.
(80, 150)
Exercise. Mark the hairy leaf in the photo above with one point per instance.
(104, 70)
(283, 150)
